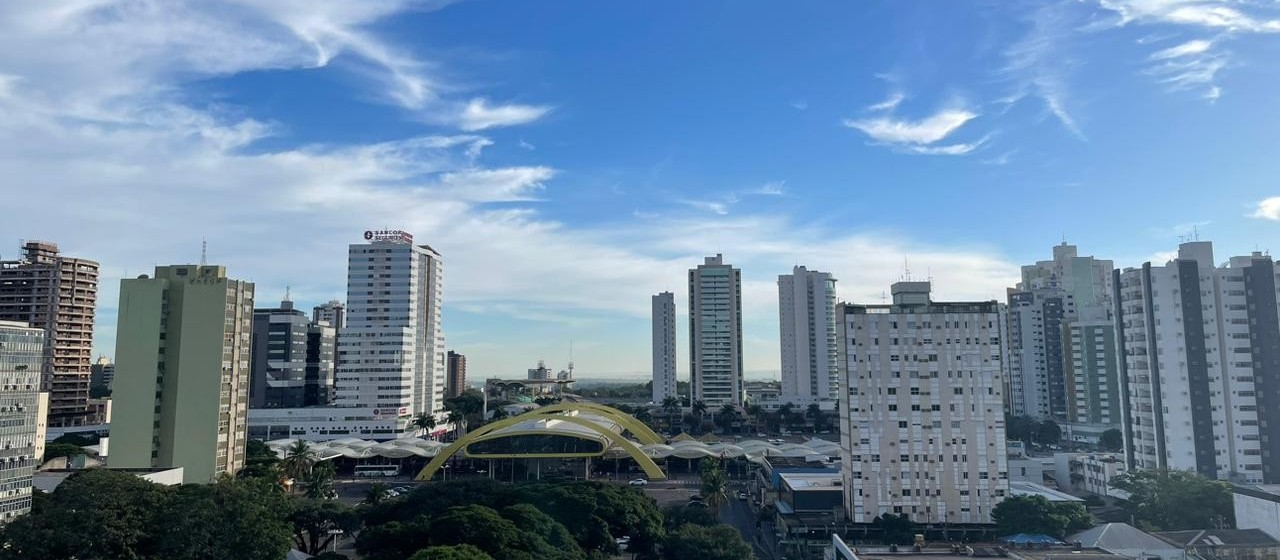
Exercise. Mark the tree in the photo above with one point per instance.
(719, 542)
(315, 522)
(375, 494)
(784, 412)
(1175, 500)
(670, 405)
(1037, 515)
(492, 533)
(895, 529)
(297, 461)
(681, 514)
(531, 521)
(96, 514)
(319, 481)
(757, 415)
(1019, 428)
(1048, 433)
(715, 484)
(260, 462)
(700, 408)
(424, 422)
(814, 413)
(242, 519)
(99, 391)
(57, 450)
(1111, 440)
(727, 416)
(454, 418)
(454, 552)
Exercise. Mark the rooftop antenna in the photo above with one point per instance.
(288, 291)
(204, 252)
(906, 268)
(1195, 232)
(570, 359)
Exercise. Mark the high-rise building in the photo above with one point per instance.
(22, 351)
(333, 313)
(391, 352)
(664, 346)
(807, 317)
(715, 332)
(1049, 313)
(58, 294)
(182, 372)
(457, 382)
(1201, 375)
(542, 372)
(922, 425)
(292, 359)
(102, 373)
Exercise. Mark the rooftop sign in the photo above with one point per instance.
(389, 236)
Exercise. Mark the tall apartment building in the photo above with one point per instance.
(58, 294)
(664, 346)
(182, 372)
(102, 373)
(22, 351)
(1051, 311)
(457, 370)
(334, 313)
(292, 359)
(922, 425)
(807, 317)
(1201, 375)
(715, 332)
(540, 373)
(391, 353)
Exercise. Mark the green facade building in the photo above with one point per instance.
(182, 372)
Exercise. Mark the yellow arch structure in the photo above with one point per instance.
(636, 427)
(651, 468)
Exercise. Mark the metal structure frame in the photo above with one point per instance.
(561, 412)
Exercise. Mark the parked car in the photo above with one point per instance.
(639, 482)
(742, 495)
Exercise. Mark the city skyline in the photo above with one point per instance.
(945, 138)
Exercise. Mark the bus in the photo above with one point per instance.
(375, 471)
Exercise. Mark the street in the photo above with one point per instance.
(738, 514)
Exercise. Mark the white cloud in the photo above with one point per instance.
(1002, 159)
(1193, 47)
(772, 188)
(1195, 64)
(1039, 66)
(511, 184)
(888, 104)
(479, 115)
(717, 207)
(800, 104)
(1268, 209)
(925, 131)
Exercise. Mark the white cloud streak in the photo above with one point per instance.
(889, 104)
(925, 131)
(1267, 209)
(480, 115)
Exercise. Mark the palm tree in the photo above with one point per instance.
(814, 412)
(455, 419)
(756, 412)
(700, 408)
(375, 494)
(715, 485)
(320, 481)
(424, 422)
(670, 405)
(297, 461)
(727, 416)
(784, 414)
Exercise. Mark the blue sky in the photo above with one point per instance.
(572, 158)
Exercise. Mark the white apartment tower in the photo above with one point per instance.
(1201, 375)
(715, 332)
(807, 317)
(391, 352)
(664, 346)
(1059, 312)
(922, 425)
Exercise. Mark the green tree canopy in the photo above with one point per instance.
(895, 529)
(314, 520)
(454, 552)
(1175, 500)
(56, 450)
(1111, 440)
(1037, 515)
(260, 461)
(718, 542)
(243, 519)
(94, 515)
(681, 514)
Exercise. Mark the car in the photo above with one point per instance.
(639, 482)
(392, 493)
(402, 489)
(696, 498)
(775, 440)
(760, 435)
(698, 504)
(742, 495)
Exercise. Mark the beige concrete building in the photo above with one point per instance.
(182, 372)
(922, 419)
(56, 294)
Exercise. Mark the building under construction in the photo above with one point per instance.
(57, 294)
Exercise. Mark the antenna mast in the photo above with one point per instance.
(204, 252)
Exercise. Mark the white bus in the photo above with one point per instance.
(374, 471)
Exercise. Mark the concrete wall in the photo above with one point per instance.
(1253, 512)
(135, 385)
